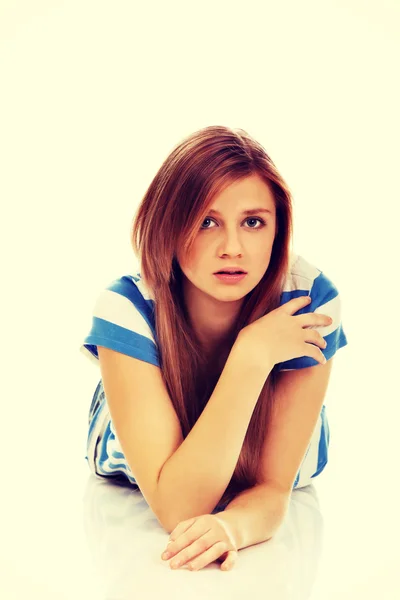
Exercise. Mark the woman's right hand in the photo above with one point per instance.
(280, 336)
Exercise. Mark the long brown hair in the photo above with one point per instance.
(169, 218)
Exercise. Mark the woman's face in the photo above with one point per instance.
(231, 238)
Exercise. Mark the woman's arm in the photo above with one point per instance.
(256, 514)
(194, 478)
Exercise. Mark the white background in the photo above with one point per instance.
(93, 96)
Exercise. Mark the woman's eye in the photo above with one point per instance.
(249, 219)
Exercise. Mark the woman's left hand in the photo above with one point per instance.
(201, 540)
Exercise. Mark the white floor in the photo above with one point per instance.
(67, 535)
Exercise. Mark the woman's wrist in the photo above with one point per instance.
(255, 514)
(245, 348)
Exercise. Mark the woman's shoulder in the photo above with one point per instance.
(301, 274)
(305, 278)
(123, 320)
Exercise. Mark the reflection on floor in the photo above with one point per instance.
(126, 541)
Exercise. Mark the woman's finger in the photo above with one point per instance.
(206, 557)
(230, 561)
(181, 528)
(179, 539)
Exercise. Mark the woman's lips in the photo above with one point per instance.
(226, 278)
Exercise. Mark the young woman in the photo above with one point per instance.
(212, 386)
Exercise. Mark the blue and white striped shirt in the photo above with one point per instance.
(123, 320)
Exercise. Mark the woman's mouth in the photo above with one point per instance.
(230, 277)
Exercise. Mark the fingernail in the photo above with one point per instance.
(166, 555)
(176, 564)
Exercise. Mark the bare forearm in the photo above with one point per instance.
(256, 514)
(194, 478)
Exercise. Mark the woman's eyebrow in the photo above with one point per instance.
(245, 212)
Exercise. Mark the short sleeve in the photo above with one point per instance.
(122, 321)
(325, 299)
